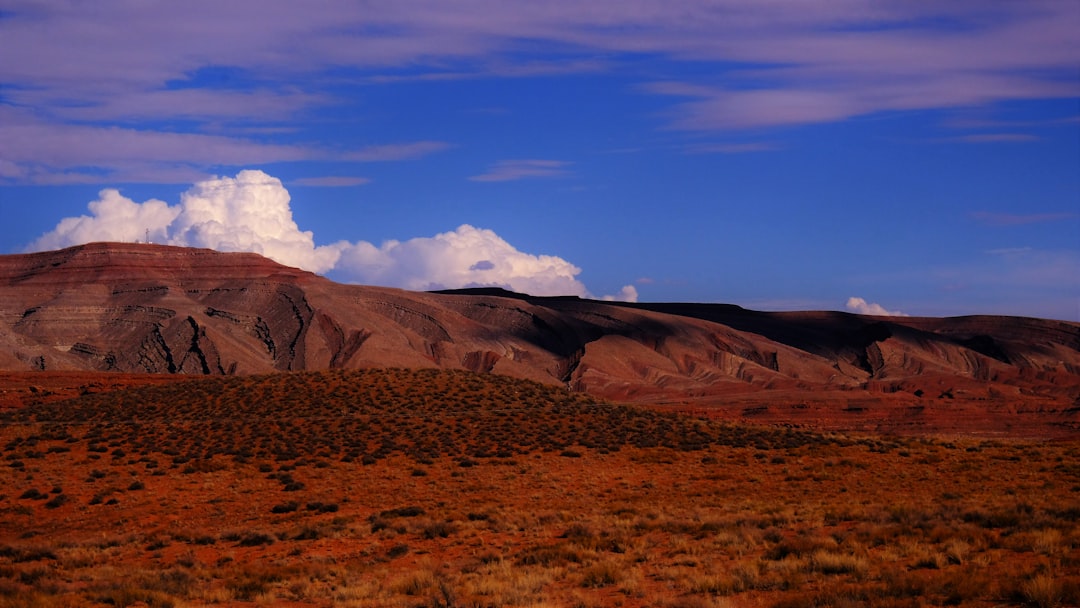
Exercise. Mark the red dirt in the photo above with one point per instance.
(175, 512)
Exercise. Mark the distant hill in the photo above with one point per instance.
(157, 309)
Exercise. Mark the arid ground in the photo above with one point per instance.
(448, 488)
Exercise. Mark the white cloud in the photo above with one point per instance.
(862, 307)
(627, 294)
(466, 257)
(248, 213)
(252, 212)
(113, 218)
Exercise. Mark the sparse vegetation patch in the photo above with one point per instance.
(303, 489)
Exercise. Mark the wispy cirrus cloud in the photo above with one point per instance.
(1018, 219)
(528, 69)
(261, 105)
(24, 139)
(1032, 267)
(1020, 280)
(332, 181)
(139, 66)
(996, 138)
(731, 148)
(391, 152)
(511, 170)
(44, 152)
(998, 124)
(718, 108)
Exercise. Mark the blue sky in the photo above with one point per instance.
(902, 157)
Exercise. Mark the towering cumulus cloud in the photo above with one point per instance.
(466, 257)
(248, 213)
(113, 218)
(252, 212)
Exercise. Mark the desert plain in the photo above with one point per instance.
(450, 488)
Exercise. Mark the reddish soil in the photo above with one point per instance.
(19, 389)
(403, 489)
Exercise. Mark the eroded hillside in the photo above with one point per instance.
(155, 309)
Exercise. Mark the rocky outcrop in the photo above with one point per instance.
(150, 308)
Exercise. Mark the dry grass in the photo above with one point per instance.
(301, 489)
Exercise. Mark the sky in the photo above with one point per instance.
(880, 157)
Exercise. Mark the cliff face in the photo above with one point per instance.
(150, 308)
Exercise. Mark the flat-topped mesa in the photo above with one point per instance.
(117, 262)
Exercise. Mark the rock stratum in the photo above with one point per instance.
(141, 308)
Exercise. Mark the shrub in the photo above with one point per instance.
(157, 544)
(439, 529)
(549, 556)
(255, 539)
(1042, 591)
(308, 533)
(411, 511)
(131, 594)
(58, 501)
(799, 546)
(601, 574)
(33, 494)
(715, 585)
(321, 507)
(828, 562)
(249, 588)
(28, 554)
(32, 576)
(957, 551)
